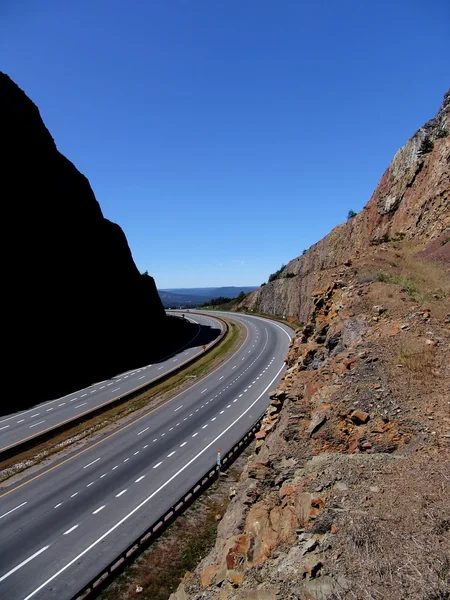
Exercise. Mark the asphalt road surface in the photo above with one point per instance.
(22, 426)
(63, 523)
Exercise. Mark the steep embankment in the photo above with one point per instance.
(75, 306)
(348, 491)
(410, 201)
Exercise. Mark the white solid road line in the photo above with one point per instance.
(152, 495)
(3, 577)
(12, 510)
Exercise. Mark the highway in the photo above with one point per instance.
(25, 425)
(61, 524)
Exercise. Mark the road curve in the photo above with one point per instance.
(19, 427)
(65, 522)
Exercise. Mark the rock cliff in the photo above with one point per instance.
(76, 308)
(411, 202)
(347, 493)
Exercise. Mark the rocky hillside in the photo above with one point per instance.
(347, 494)
(76, 309)
(411, 202)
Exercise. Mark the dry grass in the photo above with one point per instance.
(400, 547)
(423, 280)
(417, 358)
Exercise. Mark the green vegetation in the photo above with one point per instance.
(351, 214)
(216, 301)
(289, 275)
(277, 274)
(399, 237)
(445, 241)
(409, 287)
(417, 292)
(222, 302)
(426, 146)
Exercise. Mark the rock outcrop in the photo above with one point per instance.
(75, 307)
(411, 202)
(347, 493)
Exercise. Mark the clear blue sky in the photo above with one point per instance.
(226, 136)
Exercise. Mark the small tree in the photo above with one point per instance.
(351, 214)
(426, 146)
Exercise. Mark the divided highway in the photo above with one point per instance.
(25, 425)
(62, 524)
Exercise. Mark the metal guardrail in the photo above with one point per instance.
(126, 557)
(46, 435)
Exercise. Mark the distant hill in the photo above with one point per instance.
(190, 297)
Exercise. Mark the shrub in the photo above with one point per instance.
(426, 146)
(276, 275)
(351, 214)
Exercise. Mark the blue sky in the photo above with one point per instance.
(226, 136)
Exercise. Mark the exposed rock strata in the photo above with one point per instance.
(76, 308)
(411, 201)
(347, 493)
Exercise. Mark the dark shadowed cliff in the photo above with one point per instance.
(76, 308)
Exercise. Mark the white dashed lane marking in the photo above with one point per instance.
(91, 463)
(70, 530)
(12, 510)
